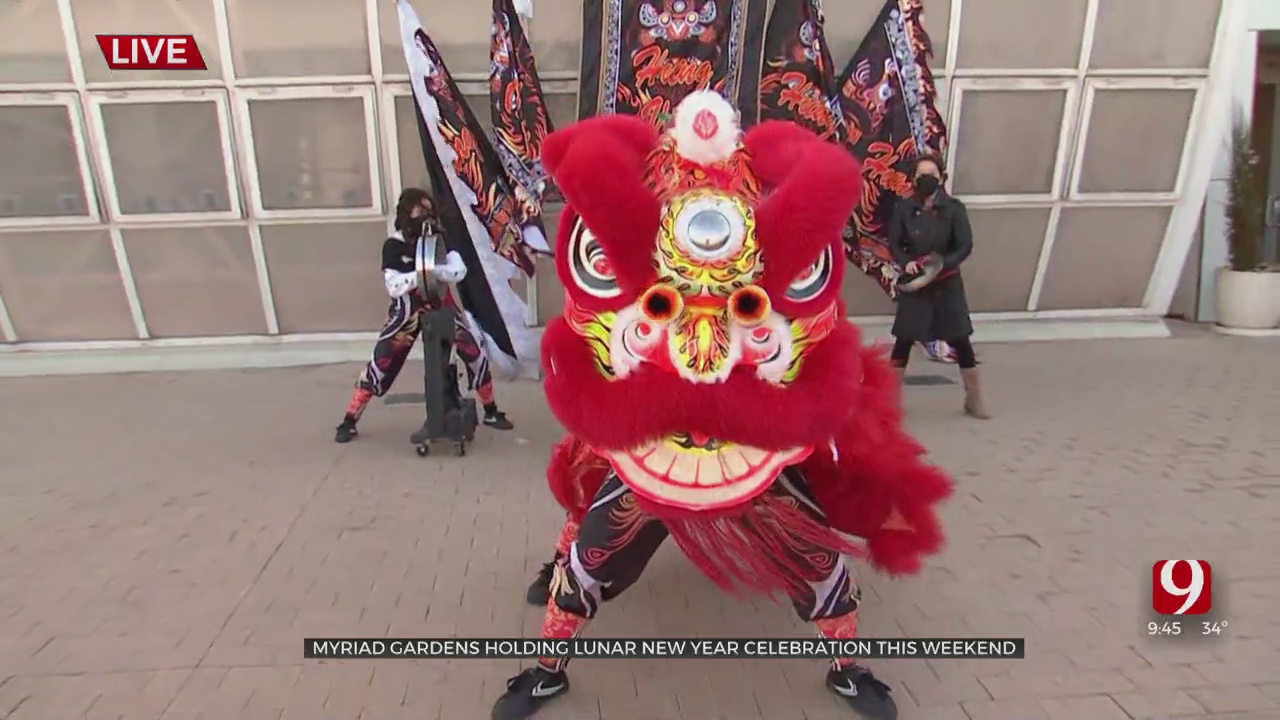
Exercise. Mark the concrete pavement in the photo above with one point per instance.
(167, 540)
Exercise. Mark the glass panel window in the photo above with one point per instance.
(325, 276)
(64, 285)
(311, 153)
(998, 34)
(556, 35)
(1128, 237)
(413, 167)
(1183, 38)
(562, 108)
(1114, 162)
(299, 38)
(40, 171)
(1006, 142)
(167, 157)
(177, 270)
(37, 54)
(461, 32)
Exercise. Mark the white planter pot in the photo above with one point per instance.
(1248, 300)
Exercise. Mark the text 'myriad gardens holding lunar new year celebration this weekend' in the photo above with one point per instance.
(662, 648)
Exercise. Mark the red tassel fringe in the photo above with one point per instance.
(769, 546)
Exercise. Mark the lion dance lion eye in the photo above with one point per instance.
(590, 267)
(812, 281)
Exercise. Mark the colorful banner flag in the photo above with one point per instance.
(799, 80)
(479, 211)
(888, 95)
(642, 57)
(520, 118)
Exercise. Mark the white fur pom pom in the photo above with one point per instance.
(706, 128)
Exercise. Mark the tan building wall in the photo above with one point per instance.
(251, 198)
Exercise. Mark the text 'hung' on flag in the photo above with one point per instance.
(889, 100)
(480, 214)
(642, 57)
(799, 83)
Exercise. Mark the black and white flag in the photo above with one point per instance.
(479, 211)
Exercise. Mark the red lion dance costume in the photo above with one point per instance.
(712, 389)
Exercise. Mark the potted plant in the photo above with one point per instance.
(1248, 293)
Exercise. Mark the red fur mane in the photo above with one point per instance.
(599, 165)
(814, 187)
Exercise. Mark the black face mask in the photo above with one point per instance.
(413, 228)
(927, 185)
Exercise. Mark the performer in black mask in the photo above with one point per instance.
(415, 215)
(930, 237)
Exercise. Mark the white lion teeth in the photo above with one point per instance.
(668, 473)
(733, 462)
(666, 463)
(754, 456)
(685, 469)
(659, 460)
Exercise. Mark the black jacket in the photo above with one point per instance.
(915, 232)
(940, 311)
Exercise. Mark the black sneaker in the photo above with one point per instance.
(346, 432)
(497, 420)
(868, 697)
(529, 691)
(540, 590)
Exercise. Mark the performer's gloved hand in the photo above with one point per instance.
(399, 283)
(453, 270)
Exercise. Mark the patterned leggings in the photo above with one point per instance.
(965, 356)
(395, 342)
(617, 539)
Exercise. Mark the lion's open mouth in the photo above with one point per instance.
(697, 472)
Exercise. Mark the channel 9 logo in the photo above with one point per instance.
(1182, 587)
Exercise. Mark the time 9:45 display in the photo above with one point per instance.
(1172, 628)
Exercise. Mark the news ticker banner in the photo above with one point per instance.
(662, 648)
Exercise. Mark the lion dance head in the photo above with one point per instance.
(703, 347)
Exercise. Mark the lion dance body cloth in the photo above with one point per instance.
(713, 392)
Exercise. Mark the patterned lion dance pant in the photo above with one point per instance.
(617, 538)
(395, 342)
